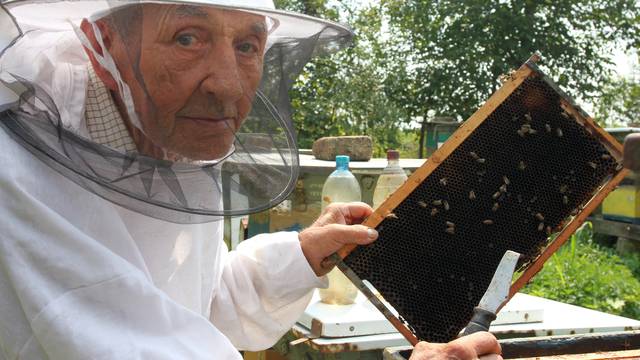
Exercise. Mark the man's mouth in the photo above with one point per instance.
(208, 120)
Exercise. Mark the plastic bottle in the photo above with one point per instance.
(392, 177)
(340, 186)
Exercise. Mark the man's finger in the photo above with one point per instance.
(344, 213)
(483, 342)
(490, 357)
(351, 234)
(355, 212)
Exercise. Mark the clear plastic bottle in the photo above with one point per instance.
(340, 186)
(392, 177)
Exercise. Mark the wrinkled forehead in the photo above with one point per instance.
(161, 17)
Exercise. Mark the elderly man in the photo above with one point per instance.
(137, 126)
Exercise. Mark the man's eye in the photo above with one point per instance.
(246, 48)
(186, 39)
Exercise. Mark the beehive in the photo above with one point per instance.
(528, 164)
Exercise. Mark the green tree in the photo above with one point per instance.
(456, 50)
(344, 94)
(619, 102)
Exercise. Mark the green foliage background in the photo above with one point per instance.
(412, 60)
(587, 274)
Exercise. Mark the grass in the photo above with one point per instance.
(587, 274)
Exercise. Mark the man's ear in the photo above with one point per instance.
(102, 73)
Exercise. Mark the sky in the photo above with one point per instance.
(624, 63)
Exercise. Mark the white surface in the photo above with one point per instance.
(558, 319)
(520, 310)
(565, 319)
(362, 318)
(374, 163)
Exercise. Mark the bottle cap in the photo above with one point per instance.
(342, 161)
(393, 155)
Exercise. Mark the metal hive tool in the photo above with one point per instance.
(528, 164)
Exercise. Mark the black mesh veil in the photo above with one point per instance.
(220, 158)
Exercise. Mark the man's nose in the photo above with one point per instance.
(223, 79)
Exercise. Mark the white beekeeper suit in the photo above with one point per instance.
(86, 274)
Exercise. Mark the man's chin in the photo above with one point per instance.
(205, 154)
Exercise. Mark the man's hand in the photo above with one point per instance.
(480, 345)
(334, 229)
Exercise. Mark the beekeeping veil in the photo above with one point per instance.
(175, 109)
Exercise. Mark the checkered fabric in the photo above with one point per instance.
(105, 125)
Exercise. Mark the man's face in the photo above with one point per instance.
(195, 75)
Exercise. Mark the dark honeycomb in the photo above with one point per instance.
(433, 266)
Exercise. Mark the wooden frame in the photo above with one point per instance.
(515, 80)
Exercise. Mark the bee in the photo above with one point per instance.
(592, 165)
(496, 195)
(565, 200)
(472, 195)
(548, 230)
(539, 217)
(605, 157)
(503, 188)
(422, 204)
(474, 155)
(506, 180)
(559, 132)
(495, 207)
(326, 199)
(564, 114)
(446, 205)
(547, 127)
(391, 215)
(541, 226)
(618, 167)
(437, 202)
(525, 128)
(443, 181)
(528, 117)
(434, 212)
(487, 222)
(481, 160)
(574, 212)
(522, 165)
(533, 131)
(563, 189)
(451, 228)
(520, 133)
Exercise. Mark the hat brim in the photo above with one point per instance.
(45, 14)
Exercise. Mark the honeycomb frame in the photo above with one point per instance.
(522, 173)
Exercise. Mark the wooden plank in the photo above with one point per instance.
(614, 355)
(615, 228)
(593, 128)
